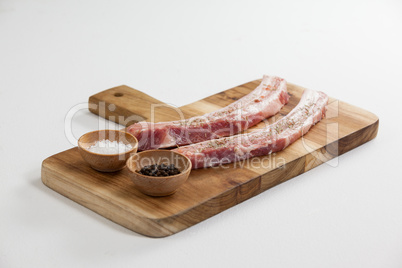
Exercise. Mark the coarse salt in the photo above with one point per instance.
(109, 147)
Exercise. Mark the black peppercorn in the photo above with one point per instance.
(161, 170)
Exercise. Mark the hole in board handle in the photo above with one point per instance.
(118, 94)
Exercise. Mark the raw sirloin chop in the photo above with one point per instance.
(263, 102)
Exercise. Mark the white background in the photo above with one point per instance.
(55, 54)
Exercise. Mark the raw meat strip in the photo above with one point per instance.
(310, 110)
(264, 101)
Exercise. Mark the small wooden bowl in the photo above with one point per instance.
(106, 162)
(158, 186)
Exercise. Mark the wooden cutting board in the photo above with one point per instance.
(207, 191)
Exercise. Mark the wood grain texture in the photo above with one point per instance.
(207, 191)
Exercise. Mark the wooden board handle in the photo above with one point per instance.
(116, 104)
